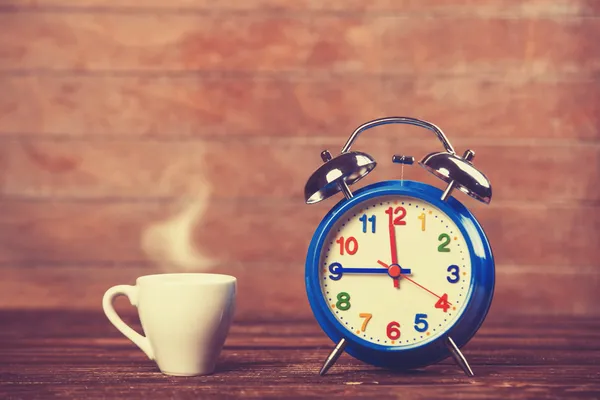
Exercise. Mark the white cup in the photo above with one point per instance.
(185, 317)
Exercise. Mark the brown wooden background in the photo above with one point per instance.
(119, 116)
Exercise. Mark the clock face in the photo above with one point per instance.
(395, 271)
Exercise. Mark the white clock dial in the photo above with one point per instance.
(395, 271)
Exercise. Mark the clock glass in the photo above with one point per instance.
(395, 271)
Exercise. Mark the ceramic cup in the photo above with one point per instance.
(185, 318)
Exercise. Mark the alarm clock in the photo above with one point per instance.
(399, 274)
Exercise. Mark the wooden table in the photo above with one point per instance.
(80, 355)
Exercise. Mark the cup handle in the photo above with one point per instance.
(131, 293)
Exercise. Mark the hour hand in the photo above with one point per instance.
(337, 271)
(390, 270)
(363, 271)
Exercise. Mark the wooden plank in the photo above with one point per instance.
(250, 231)
(140, 380)
(86, 357)
(537, 332)
(175, 107)
(298, 43)
(535, 8)
(272, 169)
(277, 290)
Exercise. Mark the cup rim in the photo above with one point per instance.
(187, 278)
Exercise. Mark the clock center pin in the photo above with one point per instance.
(394, 271)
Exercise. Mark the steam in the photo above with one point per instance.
(169, 243)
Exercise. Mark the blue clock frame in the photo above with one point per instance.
(479, 297)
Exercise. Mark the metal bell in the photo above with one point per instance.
(336, 174)
(459, 173)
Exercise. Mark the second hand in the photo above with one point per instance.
(410, 280)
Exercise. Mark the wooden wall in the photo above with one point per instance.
(126, 125)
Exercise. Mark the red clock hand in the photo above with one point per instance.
(410, 280)
(393, 248)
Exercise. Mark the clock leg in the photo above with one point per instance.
(333, 356)
(459, 357)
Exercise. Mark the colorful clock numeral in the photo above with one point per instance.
(350, 245)
(343, 302)
(421, 324)
(367, 318)
(393, 331)
(422, 218)
(454, 274)
(443, 303)
(336, 271)
(399, 219)
(445, 239)
(364, 220)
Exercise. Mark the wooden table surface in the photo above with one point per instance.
(78, 354)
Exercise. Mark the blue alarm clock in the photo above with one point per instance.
(399, 274)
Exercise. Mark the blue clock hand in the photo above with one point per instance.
(364, 270)
(390, 271)
(393, 271)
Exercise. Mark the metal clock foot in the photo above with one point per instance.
(459, 357)
(333, 356)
